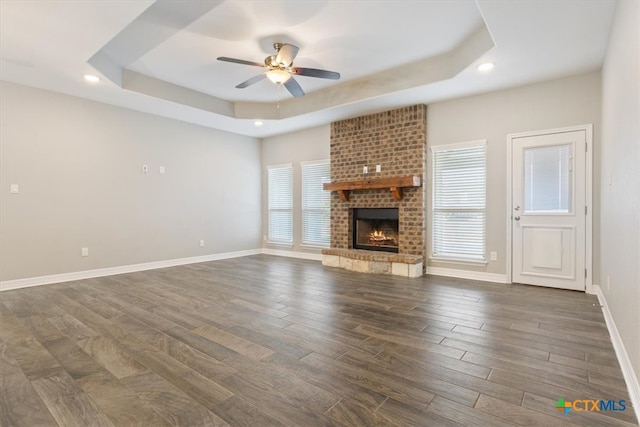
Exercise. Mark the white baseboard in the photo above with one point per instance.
(293, 254)
(87, 274)
(467, 274)
(628, 373)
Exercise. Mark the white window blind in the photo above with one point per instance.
(316, 203)
(280, 189)
(459, 201)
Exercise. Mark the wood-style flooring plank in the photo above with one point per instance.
(328, 381)
(290, 406)
(350, 413)
(121, 405)
(201, 389)
(68, 404)
(110, 354)
(20, 405)
(76, 362)
(170, 402)
(233, 342)
(613, 371)
(269, 342)
(239, 412)
(463, 414)
(408, 416)
(529, 364)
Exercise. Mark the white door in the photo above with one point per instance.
(548, 217)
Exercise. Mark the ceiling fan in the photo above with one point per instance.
(280, 69)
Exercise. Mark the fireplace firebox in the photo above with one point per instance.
(375, 229)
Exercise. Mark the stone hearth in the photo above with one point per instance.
(373, 262)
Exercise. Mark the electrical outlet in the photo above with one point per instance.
(201, 243)
(145, 168)
(15, 188)
(84, 251)
(365, 169)
(493, 256)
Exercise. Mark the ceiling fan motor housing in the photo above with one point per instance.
(270, 62)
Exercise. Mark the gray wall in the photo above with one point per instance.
(79, 167)
(302, 146)
(492, 116)
(620, 183)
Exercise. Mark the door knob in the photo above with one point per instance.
(517, 217)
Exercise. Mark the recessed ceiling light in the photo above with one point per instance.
(91, 78)
(258, 123)
(487, 66)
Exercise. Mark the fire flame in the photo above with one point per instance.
(377, 237)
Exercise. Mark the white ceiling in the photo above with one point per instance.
(160, 57)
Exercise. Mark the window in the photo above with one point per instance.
(547, 179)
(280, 188)
(316, 204)
(459, 201)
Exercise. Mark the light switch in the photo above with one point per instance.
(15, 189)
(162, 170)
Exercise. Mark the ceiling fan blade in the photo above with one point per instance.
(239, 61)
(252, 80)
(314, 72)
(286, 54)
(293, 87)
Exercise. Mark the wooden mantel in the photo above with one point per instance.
(395, 185)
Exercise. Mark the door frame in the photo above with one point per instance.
(588, 129)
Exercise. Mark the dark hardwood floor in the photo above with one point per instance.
(263, 340)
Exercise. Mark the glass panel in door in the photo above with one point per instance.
(547, 179)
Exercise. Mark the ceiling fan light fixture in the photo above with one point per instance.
(278, 76)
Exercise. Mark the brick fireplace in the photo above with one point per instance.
(395, 140)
